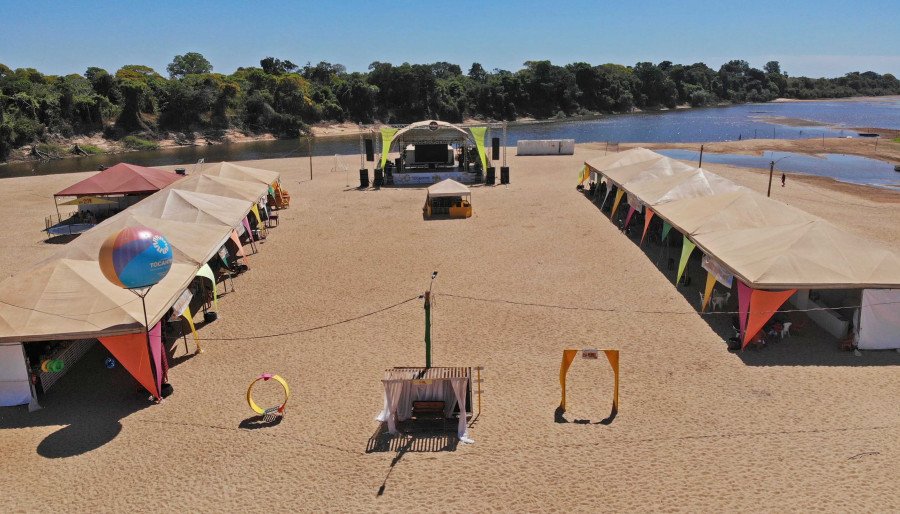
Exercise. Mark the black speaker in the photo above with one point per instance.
(398, 164)
(363, 178)
(504, 174)
(495, 148)
(370, 151)
(379, 178)
(490, 176)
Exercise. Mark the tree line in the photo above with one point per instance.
(283, 98)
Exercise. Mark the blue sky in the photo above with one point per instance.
(813, 38)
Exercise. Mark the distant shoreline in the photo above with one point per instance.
(66, 146)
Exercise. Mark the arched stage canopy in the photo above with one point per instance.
(430, 132)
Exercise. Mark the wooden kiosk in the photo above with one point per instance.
(448, 198)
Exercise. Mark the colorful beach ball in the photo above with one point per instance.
(135, 257)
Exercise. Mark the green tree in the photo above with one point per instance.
(191, 63)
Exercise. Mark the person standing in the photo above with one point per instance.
(783, 178)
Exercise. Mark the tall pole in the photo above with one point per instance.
(147, 333)
(309, 149)
(427, 329)
(504, 144)
(700, 165)
(771, 170)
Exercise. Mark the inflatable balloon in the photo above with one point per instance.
(135, 257)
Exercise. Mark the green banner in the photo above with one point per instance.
(387, 137)
(478, 133)
(666, 229)
(687, 247)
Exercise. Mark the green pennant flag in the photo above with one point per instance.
(666, 229)
(687, 247)
(387, 137)
(478, 134)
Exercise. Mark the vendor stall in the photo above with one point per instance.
(410, 392)
(448, 198)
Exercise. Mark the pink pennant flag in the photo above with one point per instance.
(630, 214)
(744, 293)
(249, 232)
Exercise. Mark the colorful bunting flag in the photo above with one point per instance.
(665, 230)
(619, 193)
(710, 282)
(687, 247)
(763, 305)
(647, 217)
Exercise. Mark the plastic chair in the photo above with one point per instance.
(786, 329)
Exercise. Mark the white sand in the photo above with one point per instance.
(798, 426)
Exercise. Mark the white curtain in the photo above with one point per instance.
(459, 388)
(15, 387)
(879, 321)
(392, 390)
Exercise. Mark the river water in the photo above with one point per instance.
(683, 125)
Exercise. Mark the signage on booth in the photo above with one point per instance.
(433, 125)
(590, 353)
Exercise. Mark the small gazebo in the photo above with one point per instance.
(448, 198)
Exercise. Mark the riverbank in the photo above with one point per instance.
(882, 149)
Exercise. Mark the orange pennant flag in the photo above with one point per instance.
(647, 218)
(132, 352)
(763, 305)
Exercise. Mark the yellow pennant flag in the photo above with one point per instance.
(190, 319)
(707, 293)
(585, 173)
(619, 193)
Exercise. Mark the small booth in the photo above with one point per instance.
(448, 198)
(413, 393)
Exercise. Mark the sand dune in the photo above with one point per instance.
(798, 426)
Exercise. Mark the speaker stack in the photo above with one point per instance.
(370, 151)
(379, 178)
(490, 177)
(363, 178)
(495, 148)
(504, 174)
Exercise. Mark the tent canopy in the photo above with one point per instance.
(220, 186)
(242, 173)
(448, 187)
(601, 164)
(123, 178)
(67, 296)
(764, 242)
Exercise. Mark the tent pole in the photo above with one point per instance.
(427, 329)
(147, 332)
(58, 219)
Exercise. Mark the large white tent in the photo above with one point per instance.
(766, 244)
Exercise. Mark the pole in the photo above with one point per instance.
(427, 329)
(771, 170)
(309, 149)
(701, 157)
(504, 144)
(147, 332)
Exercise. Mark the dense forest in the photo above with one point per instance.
(283, 98)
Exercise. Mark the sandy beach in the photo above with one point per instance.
(798, 426)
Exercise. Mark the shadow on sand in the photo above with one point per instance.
(559, 417)
(89, 402)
